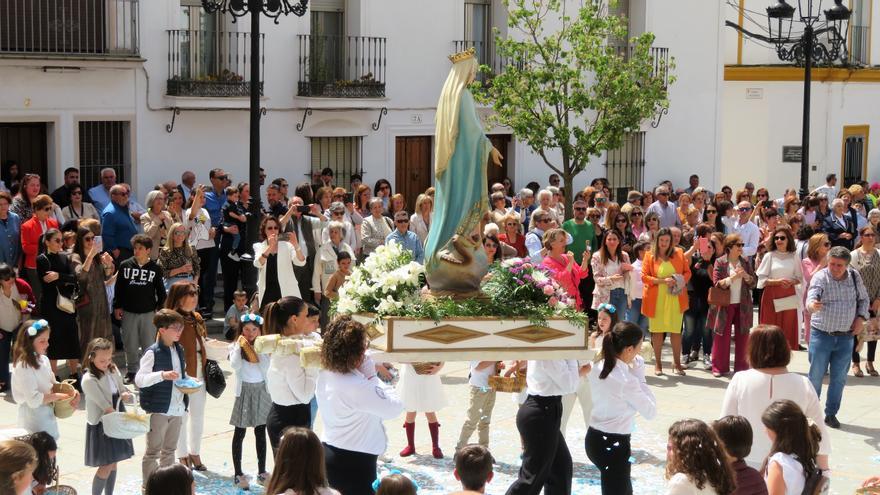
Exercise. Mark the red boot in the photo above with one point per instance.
(435, 440)
(410, 448)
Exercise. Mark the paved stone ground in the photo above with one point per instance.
(856, 445)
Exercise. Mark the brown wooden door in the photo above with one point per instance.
(413, 171)
(25, 143)
(497, 174)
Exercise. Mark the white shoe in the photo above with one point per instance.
(233, 256)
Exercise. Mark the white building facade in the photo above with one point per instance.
(353, 85)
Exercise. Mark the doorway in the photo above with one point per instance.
(413, 168)
(27, 145)
(497, 174)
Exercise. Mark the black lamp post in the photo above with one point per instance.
(272, 9)
(807, 49)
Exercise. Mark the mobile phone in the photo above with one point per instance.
(303, 208)
(704, 244)
(99, 242)
(348, 198)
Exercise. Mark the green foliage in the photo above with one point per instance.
(574, 89)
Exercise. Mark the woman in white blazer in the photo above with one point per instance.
(274, 258)
(326, 264)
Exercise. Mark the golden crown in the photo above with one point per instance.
(458, 57)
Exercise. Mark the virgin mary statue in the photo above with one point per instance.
(455, 260)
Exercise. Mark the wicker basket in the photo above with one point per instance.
(424, 368)
(61, 490)
(62, 407)
(510, 384)
(186, 388)
(217, 350)
(126, 425)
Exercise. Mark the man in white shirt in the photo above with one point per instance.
(535, 239)
(664, 208)
(100, 194)
(830, 187)
(747, 230)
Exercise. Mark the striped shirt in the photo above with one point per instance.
(837, 297)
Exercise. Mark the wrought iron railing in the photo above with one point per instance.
(625, 166)
(486, 55)
(65, 27)
(859, 45)
(342, 66)
(210, 63)
(659, 57)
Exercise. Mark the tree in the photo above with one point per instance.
(575, 89)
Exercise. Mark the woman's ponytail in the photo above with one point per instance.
(277, 313)
(624, 334)
(270, 315)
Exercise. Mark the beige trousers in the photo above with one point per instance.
(482, 401)
(161, 442)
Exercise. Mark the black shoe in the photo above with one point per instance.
(832, 421)
(129, 379)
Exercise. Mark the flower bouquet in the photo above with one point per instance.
(386, 283)
(519, 280)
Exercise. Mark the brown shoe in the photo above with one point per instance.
(857, 371)
(869, 367)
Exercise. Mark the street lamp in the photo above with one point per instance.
(807, 49)
(272, 9)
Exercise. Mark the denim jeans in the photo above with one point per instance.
(834, 352)
(617, 298)
(695, 331)
(634, 315)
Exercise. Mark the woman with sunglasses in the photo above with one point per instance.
(823, 209)
(58, 278)
(183, 298)
(665, 273)
(382, 191)
(78, 208)
(610, 265)
(31, 232)
(637, 222)
(274, 258)
(734, 273)
(816, 259)
(156, 222)
(175, 204)
(781, 276)
(179, 261)
(627, 239)
(652, 226)
(866, 259)
(684, 203)
(94, 270)
(512, 236)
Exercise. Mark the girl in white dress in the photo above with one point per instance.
(792, 456)
(422, 393)
(32, 380)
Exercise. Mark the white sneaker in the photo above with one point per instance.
(233, 256)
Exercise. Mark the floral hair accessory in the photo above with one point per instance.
(378, 481)
(36, 327)
(607, 307)
(252, 318)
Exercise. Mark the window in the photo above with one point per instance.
(478, 28)
(327, 49)
(199, 41)
(625, 166)
(103, 144)
(860, 33)
(341, 154)
(855, 154)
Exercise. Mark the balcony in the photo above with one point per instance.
(660, 57)
(210, 64)
(103, 28)
(341, 66)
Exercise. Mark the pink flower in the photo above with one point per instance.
(548, 291)
(553, 301)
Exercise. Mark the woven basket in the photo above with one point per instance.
(218, 350)
(126, 425)
(510, 384)
(424, 368)
(62, 407)
(188, 390)
(61, 490)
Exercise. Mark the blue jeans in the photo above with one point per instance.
(617, 298)
(834, 352)
(313, 408)
(695, 331)
(634, 315)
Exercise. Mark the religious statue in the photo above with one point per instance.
(455, 260)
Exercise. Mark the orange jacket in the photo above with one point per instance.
(650, 267)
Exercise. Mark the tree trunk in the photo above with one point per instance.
(568, 181)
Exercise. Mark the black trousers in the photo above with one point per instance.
(238, 440)
(231, 276)
(349, 472)
(281, 417)
(610, 453)
(304, 278)
(546, 461)
(208, 258)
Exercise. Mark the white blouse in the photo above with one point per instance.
(776, 265)
(735, 283)
(29, 385)
(751, 391)
(680, 484)
(289, 383)
(551, 378)
(792, 472)
(618, 397)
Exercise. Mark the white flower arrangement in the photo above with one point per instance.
(384, 284)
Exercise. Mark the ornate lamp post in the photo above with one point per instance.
(272, 9)
(807, 48)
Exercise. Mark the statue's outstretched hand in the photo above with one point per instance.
(496, 157)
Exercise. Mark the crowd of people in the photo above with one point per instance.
(86, 272)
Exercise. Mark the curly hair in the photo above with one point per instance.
(344, 344)
(697, 452)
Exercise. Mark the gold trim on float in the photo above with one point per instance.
(446, 334)
(534, 334)
(783, 73)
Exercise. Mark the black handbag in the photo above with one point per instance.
(215, 381)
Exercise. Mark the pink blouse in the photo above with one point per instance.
(568, 279)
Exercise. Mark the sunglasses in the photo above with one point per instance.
(580, 208)
(780, 238)
(601, 200)
(89, 238)
(120, 194)
(762, 195)
(179, 232)
(740, 244)
(76, 193)
(271, 227)
(511, 224)
(223, 177)
(867, 234)
(711, 211)
(593, 216)
(490, 245)
(743, 210)
(621, 220)
(403, 221)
